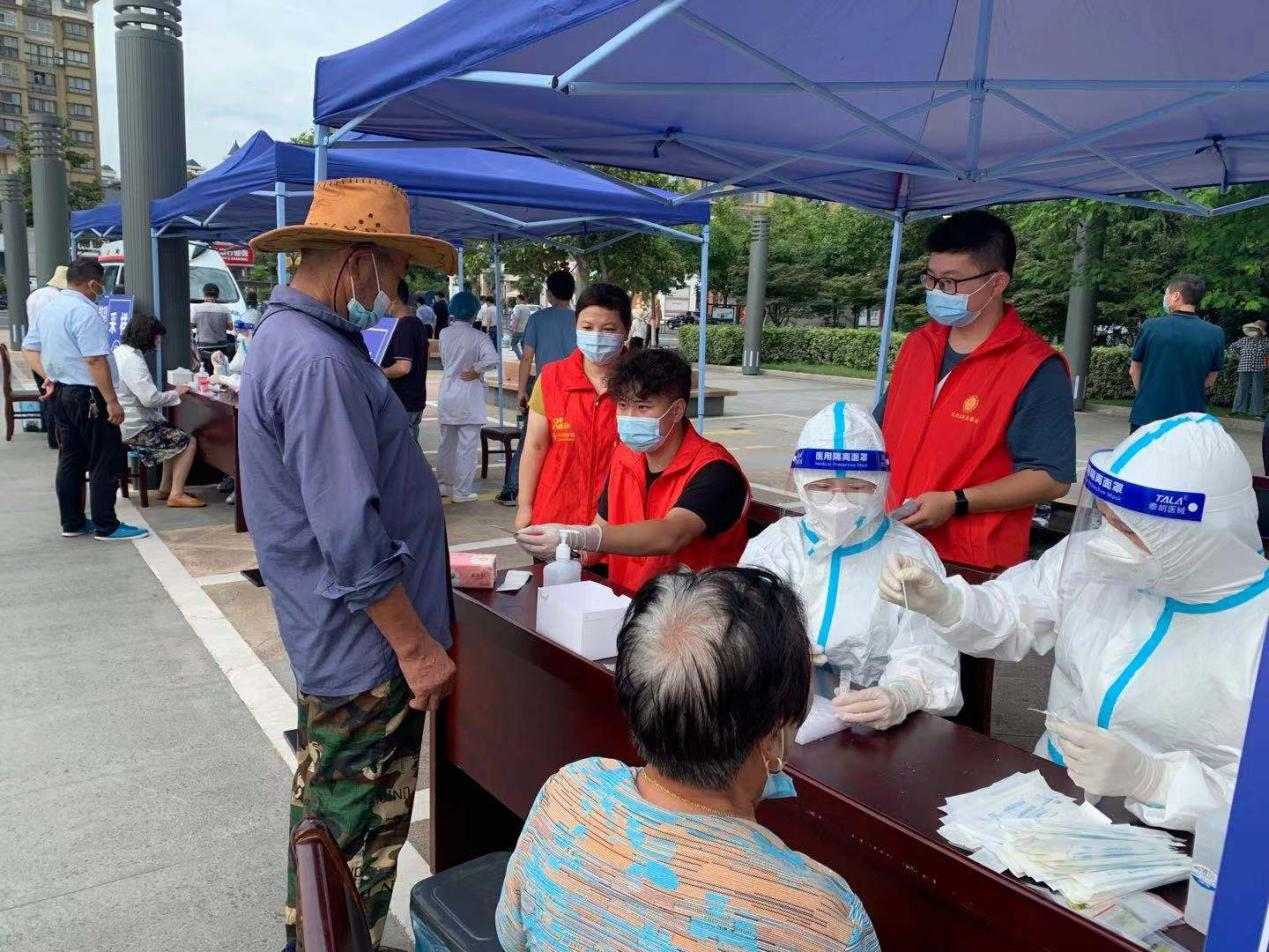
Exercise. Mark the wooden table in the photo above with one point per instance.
(867, 803)
(213, 419)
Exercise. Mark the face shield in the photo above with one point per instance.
(842, 491)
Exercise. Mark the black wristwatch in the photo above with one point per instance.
(962, 503)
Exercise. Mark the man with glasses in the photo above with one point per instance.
(978, 417)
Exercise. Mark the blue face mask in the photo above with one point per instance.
(361, 316)
(599, 347)
(778, 785)
(950, 310)
(642, 434)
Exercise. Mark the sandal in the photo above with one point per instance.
(186, 502)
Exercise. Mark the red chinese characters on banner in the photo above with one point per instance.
(235, 256)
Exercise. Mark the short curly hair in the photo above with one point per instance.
(142, 332)
(651, 373)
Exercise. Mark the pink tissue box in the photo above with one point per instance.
(473, 569)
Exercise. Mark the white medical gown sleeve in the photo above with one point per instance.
(1009, 616)
(770, 550)
(1195, 789)
(920, 654)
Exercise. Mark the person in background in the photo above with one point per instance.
(70, 349)
(145, 428)
(488, 318)
(978, 417)
(424, 311)
(1177, 357)
(405, 361)
(521, 311)
(440, 307)
(550, 335)
(640, 330)
(1252, 351)
(713, 678)
(572, 427)
(832, 557)
(251, 316)
(466, 354)
(672, 498)
(35, 302)
(211, 321)
(1154, 608)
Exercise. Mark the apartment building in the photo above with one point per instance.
(47, 58)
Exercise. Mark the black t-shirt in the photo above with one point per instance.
(1041, 432)
(409, 342)
(717, 494)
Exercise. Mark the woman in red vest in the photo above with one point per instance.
(978, 418)
(572, 419)
(673, 497)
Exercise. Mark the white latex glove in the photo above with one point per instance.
(542, 541)
(219, 362)
(1108, 764)
(925, 591)
(880, 707)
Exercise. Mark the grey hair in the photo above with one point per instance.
(707, 666)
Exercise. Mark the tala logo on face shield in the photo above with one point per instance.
(966, 412)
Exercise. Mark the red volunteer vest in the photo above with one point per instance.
(631, 500)
(958, 438)
(583, 428)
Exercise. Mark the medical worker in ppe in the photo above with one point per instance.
(833, 557)
(1155, 607)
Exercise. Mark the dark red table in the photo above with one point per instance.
(867, 803)
(213, 419)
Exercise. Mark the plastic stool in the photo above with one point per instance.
(455, 910)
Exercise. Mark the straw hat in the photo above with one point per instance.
(351, 211)
(58, 280)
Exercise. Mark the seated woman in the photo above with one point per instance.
(572, 426)
(833, 556)
(713, 675)
(145, 428)
(673, 498)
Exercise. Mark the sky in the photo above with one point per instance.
(249, 65)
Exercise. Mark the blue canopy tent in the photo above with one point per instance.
(908, 109)
(104, 221)
(455, 194)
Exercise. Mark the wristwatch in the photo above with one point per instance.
(962, 503)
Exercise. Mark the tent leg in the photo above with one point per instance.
(703, 303)
(279, 192)
(887, 317)
(320, 137)
(459, 280)
(154, 269)
(497, 263)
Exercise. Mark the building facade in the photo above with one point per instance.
(47, 60)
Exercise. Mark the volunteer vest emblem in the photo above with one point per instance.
(970, 404)
(966, 412)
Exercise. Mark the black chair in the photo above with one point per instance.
(455, 909)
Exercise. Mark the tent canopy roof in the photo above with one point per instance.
(455, 194)
(916, 104)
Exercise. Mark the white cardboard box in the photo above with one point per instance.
(180, 377)
(584, 617)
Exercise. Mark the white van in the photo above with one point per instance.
(206, 266)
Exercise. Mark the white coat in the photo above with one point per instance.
(462, 402)
(870, 640)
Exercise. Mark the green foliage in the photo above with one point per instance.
(79, 195)
(839, 347)
(1108, 377)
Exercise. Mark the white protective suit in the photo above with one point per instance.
(835, 571)
(1165, 660)
(461, 407)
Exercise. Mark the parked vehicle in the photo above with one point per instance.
(206, 266)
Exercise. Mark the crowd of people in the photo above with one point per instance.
(851, 602)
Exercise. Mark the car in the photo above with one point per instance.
(206, 266)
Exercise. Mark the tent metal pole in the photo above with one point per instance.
(279, 206)
(1239, 206)
(321, 134)
(887, 315)
(703, 302)
(497, 263)
(154, 265)
(977, 94)
(606, 49)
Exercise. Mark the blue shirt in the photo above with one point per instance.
(70, 328)
(342, 505)
(1176, 353)
(552, 333)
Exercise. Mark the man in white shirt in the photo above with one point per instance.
(521, 311)
(36, 302)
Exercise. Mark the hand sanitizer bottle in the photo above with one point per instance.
(564, 569)
(1209, 843)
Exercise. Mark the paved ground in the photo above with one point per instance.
(143, 779)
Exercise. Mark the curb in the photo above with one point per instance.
(1230, 423)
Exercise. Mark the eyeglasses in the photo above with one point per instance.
(950, 285)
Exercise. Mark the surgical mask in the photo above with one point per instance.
(642, 434)
(779, 784)
(952, 310)
(1166, 309)
(361, 316)
(599, 347)
(1114, 556)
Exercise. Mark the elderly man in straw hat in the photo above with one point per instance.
(346, 519)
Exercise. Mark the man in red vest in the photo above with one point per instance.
(673, 497)
(978, 417)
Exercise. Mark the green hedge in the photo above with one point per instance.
(857, 349)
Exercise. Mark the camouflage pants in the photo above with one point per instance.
(357, 770)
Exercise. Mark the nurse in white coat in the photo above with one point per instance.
(833, 556)
(466, 354)
(1155, 607)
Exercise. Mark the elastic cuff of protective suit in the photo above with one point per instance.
(952, 614)
(1159, 784)
(910, 692)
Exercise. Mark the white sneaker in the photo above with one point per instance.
(444, 490)
(465, 497)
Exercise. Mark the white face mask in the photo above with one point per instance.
(1115, 556)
